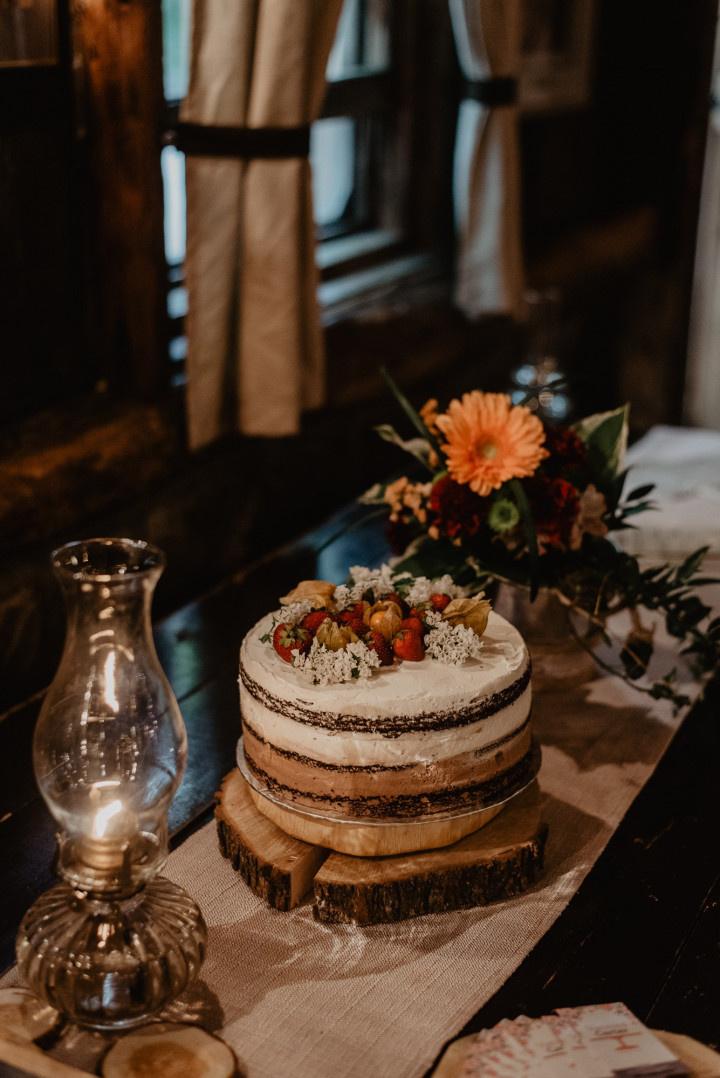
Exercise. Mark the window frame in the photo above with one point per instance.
(408, 239)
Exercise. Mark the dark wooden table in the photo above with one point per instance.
(643, 928)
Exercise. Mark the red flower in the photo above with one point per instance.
(554, 504)
(568, 453)
(454, 510)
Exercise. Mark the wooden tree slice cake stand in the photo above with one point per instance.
(372, 840)
(501, 860)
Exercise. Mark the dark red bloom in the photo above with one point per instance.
(454, 509)
(568, 454)
(554, 504)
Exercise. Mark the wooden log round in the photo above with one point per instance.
(497, 862)
(500, 861)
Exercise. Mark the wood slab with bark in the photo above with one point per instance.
(501, 860)
(278, 868)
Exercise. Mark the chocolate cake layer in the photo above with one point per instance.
(476, 794)
(298, 772)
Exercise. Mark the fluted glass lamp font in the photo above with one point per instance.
(114, 942)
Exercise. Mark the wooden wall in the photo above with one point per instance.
(82, 280)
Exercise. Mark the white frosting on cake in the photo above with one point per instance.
(405, 690)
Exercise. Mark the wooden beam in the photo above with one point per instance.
(119, 44)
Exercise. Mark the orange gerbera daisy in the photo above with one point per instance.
(488, 440)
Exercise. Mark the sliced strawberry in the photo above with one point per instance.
(377, 643)
(290, 638)
(413, 622)
(314, 620)
(439, 601)
(408, 646)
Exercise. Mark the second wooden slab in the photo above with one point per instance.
(502, 860)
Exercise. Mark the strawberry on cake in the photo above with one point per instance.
(390, 698)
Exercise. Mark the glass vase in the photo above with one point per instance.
(113, 943)
(556, 654)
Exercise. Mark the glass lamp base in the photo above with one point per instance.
(109, 963)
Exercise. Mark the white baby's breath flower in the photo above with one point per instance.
(344, 596)
(451, 644)
(325, 667)
(381, 580)
(295, 612)
(422, 588)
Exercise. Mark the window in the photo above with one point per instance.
(389, 79)
(345, 143)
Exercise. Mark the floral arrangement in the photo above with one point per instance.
(509, 498)
(380, 618)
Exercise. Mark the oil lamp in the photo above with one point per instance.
(113, 942)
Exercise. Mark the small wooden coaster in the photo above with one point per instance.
(500, 861)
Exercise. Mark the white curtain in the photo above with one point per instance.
(255, 350)
(487, 168)
(702, 390)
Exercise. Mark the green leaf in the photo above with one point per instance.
(518, 493)
(641, 507)
(614, 489)
(640, 492)
(417, 447)
(408, 409)
(605, 435)
(693, 562)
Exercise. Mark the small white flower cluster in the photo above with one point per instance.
(384, 580)
(295, 612)
(422, 588)
(345, 595)
(451, 644)
(325, 667)
(381, 581)
(291, 614)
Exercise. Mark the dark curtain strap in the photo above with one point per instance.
(204, 140)
(502, 90)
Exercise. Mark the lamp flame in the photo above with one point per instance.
(103, 817)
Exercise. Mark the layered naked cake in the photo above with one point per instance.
(398, 739)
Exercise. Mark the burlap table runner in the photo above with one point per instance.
(299, 999)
